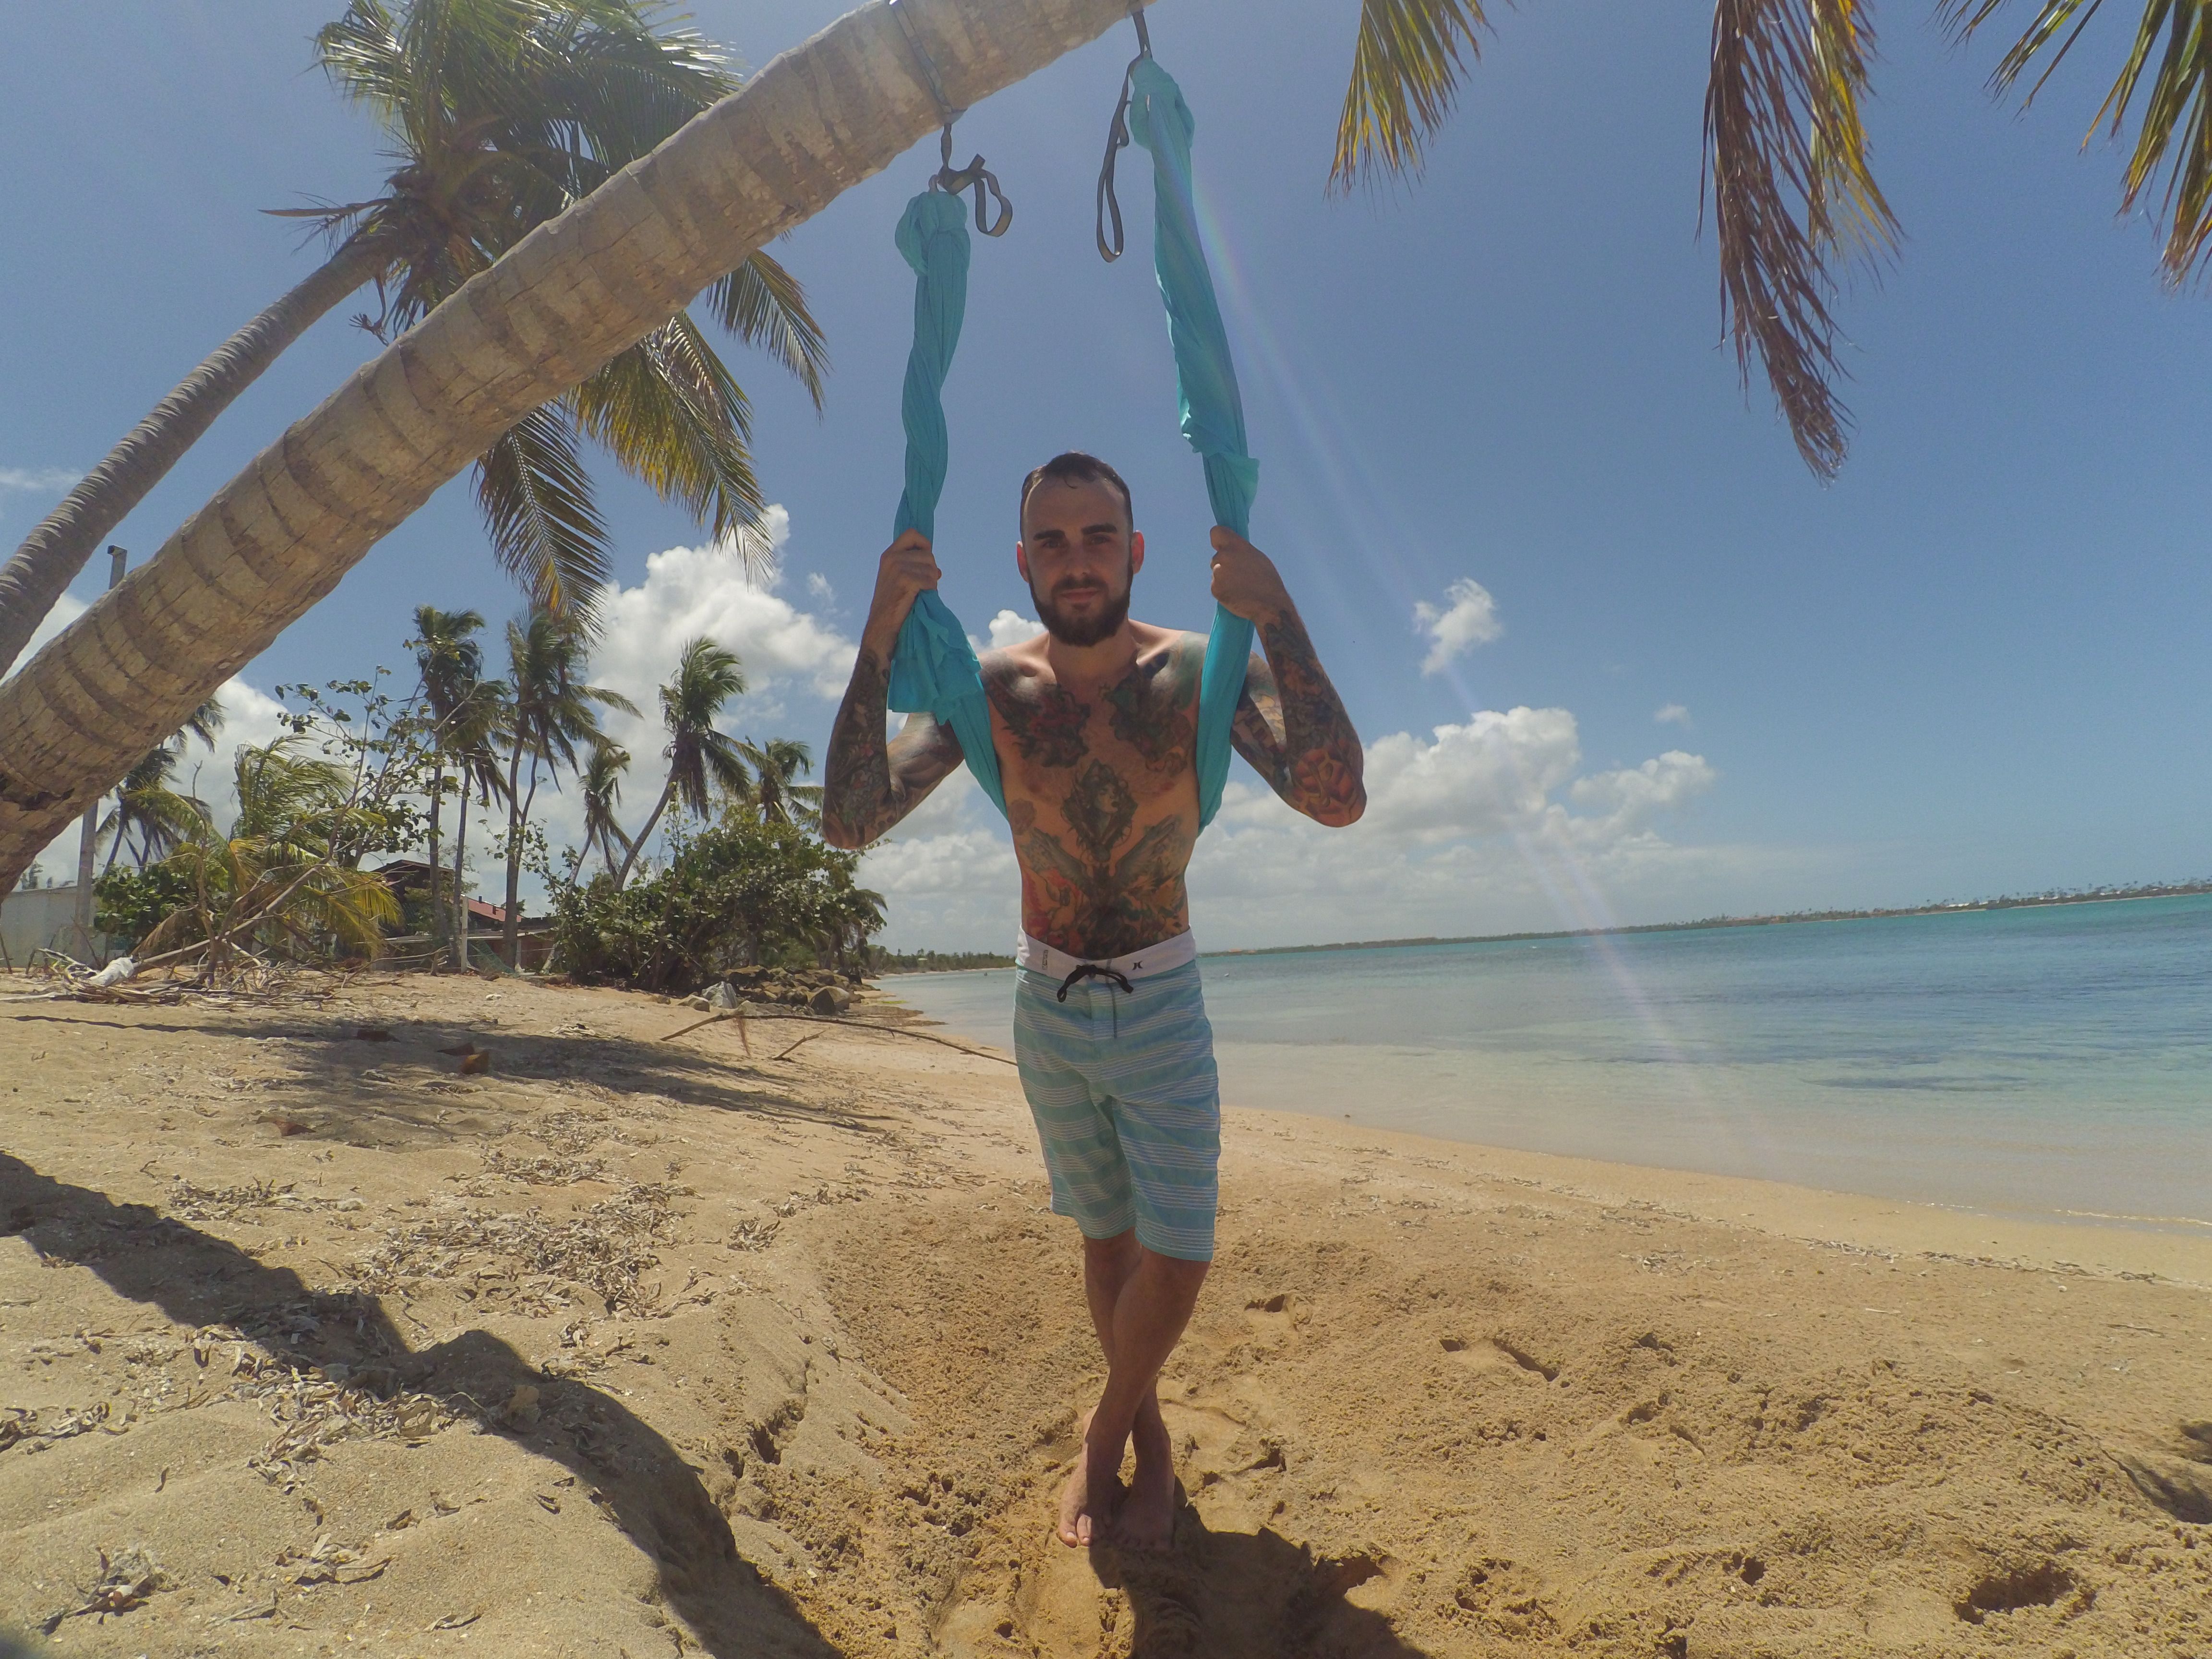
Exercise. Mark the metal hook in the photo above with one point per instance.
(1117, 140)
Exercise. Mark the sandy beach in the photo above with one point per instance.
(321, 1337)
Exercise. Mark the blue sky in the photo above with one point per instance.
(1974, 664)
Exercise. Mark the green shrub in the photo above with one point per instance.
(131, 903)
(735, 895)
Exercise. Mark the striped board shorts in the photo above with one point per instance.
(1120, 1080)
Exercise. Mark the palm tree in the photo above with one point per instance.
(701, 760)
(549, 712)
(471, 738)
(775, 796)
(287, 870)
(501, 114)
(601, 784)
(451, 662)
(820, 119)
(146, 804)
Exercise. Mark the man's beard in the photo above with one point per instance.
(1080, 631)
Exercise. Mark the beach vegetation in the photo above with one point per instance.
(739, 892)
(548, 714)
(702, 763)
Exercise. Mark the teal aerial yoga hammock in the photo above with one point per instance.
(933, 666)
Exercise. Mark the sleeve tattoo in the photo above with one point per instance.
(1291, 726)
(870, 781)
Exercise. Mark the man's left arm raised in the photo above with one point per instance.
(1290, 723)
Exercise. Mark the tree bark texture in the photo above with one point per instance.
(580, 288)
(51, 555)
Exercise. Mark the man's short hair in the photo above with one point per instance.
(1071, 468)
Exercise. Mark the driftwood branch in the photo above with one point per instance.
(843, 1025)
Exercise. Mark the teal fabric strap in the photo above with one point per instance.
(1212, 414)
(934, 667)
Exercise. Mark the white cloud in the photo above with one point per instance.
(1673, 715)
(818, 586)
(1482, 826)
(1469, 620)
(688, 591)
(38, 480)
(1008, 628)
(1623, 802)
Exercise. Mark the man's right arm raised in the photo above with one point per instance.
(870, 781)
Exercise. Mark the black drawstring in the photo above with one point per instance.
(1091, 971)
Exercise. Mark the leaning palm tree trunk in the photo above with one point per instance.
(644, 834)
(50, 557)
(575, 291)
(460, 897)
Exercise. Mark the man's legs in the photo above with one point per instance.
(1140, 1302)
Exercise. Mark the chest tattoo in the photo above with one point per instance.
(1099, 810)
(1047, 727)
(1148, 715)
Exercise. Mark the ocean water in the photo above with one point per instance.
(2053, 1061)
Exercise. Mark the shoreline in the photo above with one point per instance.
(1795, 918)
(2102, 1246)
(1798, 918)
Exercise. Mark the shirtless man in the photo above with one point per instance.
(1095, 722)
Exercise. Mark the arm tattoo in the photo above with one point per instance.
(870, 782)
(1291, 726)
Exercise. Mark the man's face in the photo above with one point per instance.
(1078, 556)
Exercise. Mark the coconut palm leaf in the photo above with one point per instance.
(764, 305)
(2174, 137)
(541, 511)
(148, 807)
(671, 414)
(204, 722)
(776, 795)
(1407, 67)
(631, 83)
(601, 784)
(703, 762)
(1793, 201)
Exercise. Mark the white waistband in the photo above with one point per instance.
(1039, 957)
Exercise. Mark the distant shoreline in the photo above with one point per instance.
(2096, 896)
(975, 961)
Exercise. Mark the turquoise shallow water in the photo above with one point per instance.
(2050, 1060)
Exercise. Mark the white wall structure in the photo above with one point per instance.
(30, 917)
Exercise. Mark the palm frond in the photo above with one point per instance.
(1794, 200)
(1407, 67)
(2174, 137)
(630, 85)
(671, 416)
(204, 722)
(763, 305)
(541, 513)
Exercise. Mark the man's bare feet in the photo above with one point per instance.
(1146, 1519)
(1085, 1520)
